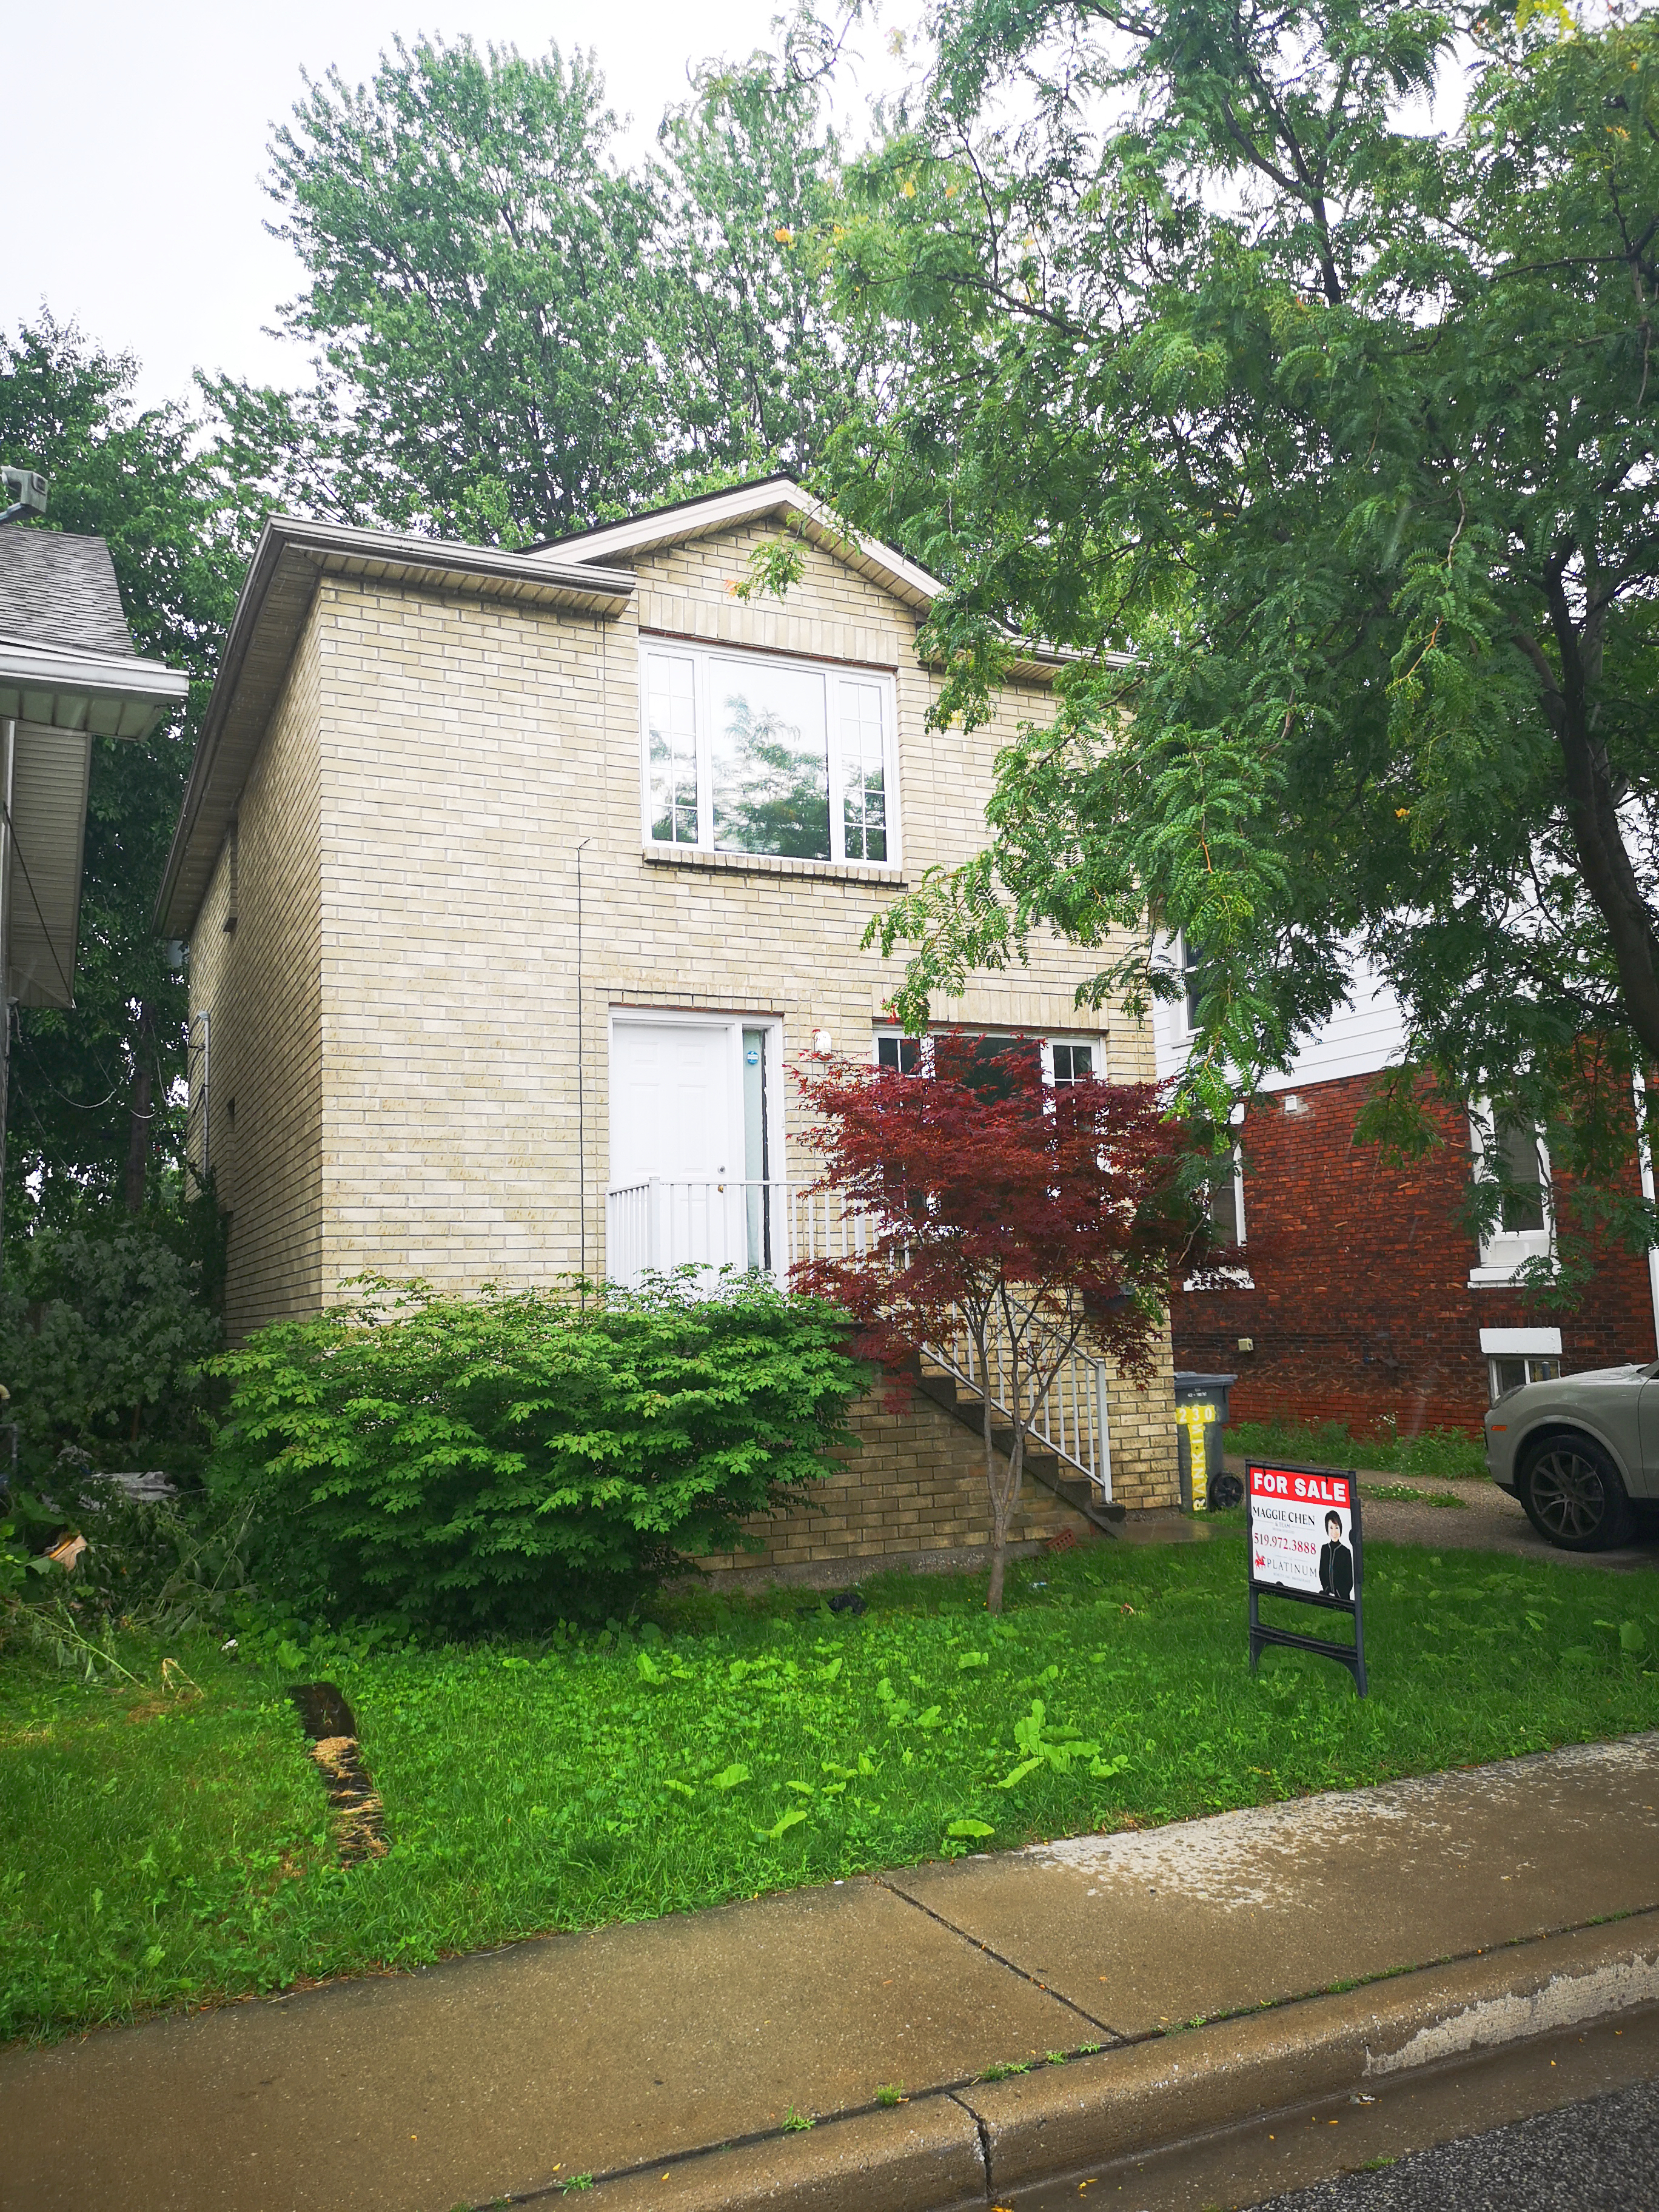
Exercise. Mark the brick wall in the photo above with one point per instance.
(914, 1495)
(1362, 1309)
(259, 982)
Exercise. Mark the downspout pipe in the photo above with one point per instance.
(1644, 1163)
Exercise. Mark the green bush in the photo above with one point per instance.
(505, 1463)
(103, 1334)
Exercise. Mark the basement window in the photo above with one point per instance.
(1518, 1356)
(1065, 1061)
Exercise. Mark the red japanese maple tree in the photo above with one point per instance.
(980, 1199)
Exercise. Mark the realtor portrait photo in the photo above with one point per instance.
(1336, 1561)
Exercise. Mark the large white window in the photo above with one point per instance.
(747, 752)
(1523, 1230)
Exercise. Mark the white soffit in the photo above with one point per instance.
(110, 695)
(1540, 1340)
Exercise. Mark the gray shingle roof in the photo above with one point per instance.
(56, 589)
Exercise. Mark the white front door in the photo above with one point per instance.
(676, 1101)
(677, 1147)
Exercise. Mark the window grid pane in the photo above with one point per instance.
(770, 761)
(1523, 1210)
(863, 791)
(673, 749)
(1073, 1063)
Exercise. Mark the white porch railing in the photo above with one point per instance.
(764, 1226)
(769, 1226)
(1072, 1418)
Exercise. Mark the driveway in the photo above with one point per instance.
(1485, 1519)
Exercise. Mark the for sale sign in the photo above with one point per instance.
(1301, 1532)
(1306, 1544)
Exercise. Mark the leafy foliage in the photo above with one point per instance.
(78, 1077)
(514, 334)
(1341, 427)
(103, 1336)
(169, 1848)
(505, 1463)
(1029, 1215)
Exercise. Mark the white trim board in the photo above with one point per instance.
(1539, 1341)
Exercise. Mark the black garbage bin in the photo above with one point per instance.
(1201, 1410)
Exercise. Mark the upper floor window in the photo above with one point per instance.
(746, 752)
(1189, 966)
(1518, 1159)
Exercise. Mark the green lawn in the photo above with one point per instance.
(167, 1851)
(1330, 1444)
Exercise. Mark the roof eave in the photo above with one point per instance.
(308, 549)
(112, 694)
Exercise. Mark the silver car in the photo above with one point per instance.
(1581, 1453)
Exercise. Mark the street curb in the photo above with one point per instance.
(976, 2144)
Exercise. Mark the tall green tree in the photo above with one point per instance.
(758, 375)
(93, 1109)
(512, 333)
(1294, 364)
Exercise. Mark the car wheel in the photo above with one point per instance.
(1574, 1495)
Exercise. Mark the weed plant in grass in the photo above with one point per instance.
(170, 1849)
(1330, 1444)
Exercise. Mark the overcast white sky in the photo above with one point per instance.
(134, 148)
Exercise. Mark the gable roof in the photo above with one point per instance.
(69, 672)
(767, 499)
(58, 589)
(780, 499)
(569, 571)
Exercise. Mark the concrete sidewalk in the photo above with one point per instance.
(1155, 1984)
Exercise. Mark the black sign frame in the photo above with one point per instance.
(1352, 1656)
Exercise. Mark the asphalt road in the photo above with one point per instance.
(1601, 2155)
(1567, 2122)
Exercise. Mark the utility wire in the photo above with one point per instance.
(79, 1105)
(16, 846)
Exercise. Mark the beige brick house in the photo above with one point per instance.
(513, 883)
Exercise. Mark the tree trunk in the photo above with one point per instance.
(1605, 866)
(142, 1113)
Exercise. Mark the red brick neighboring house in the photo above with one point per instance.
(1362, 1298)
